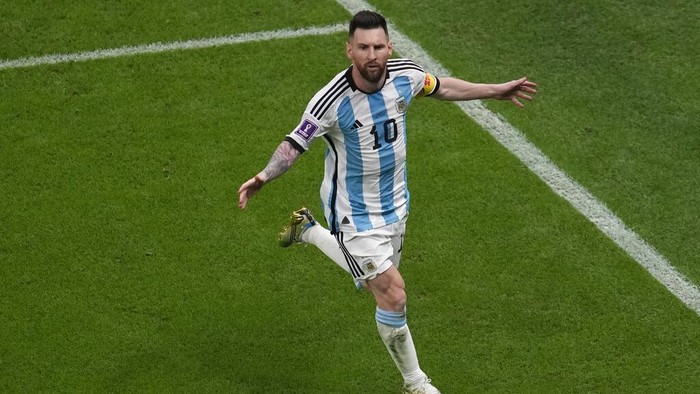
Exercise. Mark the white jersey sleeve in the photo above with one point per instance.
(319, 117)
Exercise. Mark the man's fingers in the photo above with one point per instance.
(524, 96)
(243, 193)
(242, 198)
(515, 101)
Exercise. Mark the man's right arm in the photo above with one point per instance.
(285, 155)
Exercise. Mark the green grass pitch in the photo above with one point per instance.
(125, 265)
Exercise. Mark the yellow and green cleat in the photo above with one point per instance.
(301, 220)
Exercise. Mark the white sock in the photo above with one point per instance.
(397, 338)
(322, 238)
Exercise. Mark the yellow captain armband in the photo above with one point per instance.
(430, 85)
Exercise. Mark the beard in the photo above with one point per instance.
(373, 75)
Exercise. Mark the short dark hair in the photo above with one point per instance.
(367, 20)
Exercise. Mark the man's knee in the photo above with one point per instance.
(398, 299)
(389, 290)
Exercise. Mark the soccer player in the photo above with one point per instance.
(361, 116)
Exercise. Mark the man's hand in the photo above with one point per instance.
(285, 155)
(249, 189)
(516, 90)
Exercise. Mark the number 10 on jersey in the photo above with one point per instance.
(391, 132)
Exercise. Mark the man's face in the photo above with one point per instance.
(369, 51)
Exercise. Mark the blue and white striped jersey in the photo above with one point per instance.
(364, 185)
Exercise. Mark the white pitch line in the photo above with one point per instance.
(580, 198)
(170, 46)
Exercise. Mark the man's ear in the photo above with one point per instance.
(391, 47)
(348, 50)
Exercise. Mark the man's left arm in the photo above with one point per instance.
(454, 89)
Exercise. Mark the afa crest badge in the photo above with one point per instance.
(401, 105)
(369, 265)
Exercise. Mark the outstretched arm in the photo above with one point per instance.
(279, 163)
(454, 89)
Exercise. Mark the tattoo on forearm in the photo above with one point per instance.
(281, 160)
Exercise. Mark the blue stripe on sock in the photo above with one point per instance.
(391, 319)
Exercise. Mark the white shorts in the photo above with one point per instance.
(369, 253)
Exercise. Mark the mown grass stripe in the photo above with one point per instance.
(170, 46)
(563, 185)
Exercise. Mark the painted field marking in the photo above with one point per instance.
(580, 198)
(171, 46)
